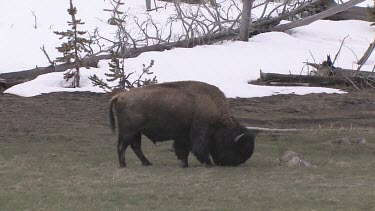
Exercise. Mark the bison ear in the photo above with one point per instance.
(238, 137)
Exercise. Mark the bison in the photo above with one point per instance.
(195, 115)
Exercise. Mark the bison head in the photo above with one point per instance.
(232, 146)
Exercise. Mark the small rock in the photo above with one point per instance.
(291, 158)
(347, 141)
(358, 141)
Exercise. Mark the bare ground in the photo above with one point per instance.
(57, 153)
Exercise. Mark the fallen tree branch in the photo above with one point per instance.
(296, 130)
(354, 13)
(342, 71)
(323, 81)
(329, 12)
(367, 54)
(14, 78)
(262, 129)
(365, 57)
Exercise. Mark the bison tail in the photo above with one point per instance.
(112, 120)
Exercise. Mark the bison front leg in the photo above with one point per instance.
(182, 150)
(200, 144)
(136, 146)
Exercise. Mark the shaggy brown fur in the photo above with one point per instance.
(188, 112)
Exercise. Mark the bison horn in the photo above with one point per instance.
(238, 137)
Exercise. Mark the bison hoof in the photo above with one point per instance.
(184, 165)
(147, 164)
(122, 165)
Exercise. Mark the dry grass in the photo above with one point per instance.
(71, 169)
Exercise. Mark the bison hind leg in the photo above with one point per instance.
(182, 150)
(121, 148)
(136, 146)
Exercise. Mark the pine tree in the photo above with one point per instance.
(115, 20)
(123, 81)
(74, 47)
(117, 73)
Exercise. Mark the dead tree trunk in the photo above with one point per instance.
(245, 20)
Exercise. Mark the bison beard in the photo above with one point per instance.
(195, 115)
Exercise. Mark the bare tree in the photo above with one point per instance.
(245, 20)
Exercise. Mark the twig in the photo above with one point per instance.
(312, 56)
(338, 52)
(347, 78)
(156, 8)
(350, 49)
(46, 54)
(368, 83)
(35, 20)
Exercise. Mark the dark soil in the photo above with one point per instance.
(25, 117)
(352, 110)
(57, 153)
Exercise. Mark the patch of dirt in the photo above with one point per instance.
(22, 117)
(346, 111)
(26, 117)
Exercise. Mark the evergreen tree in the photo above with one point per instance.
(117, 73)
(73, 47)
(115, 20)
(122, 80)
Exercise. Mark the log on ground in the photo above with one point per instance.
(268, 78)
(337, 71)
